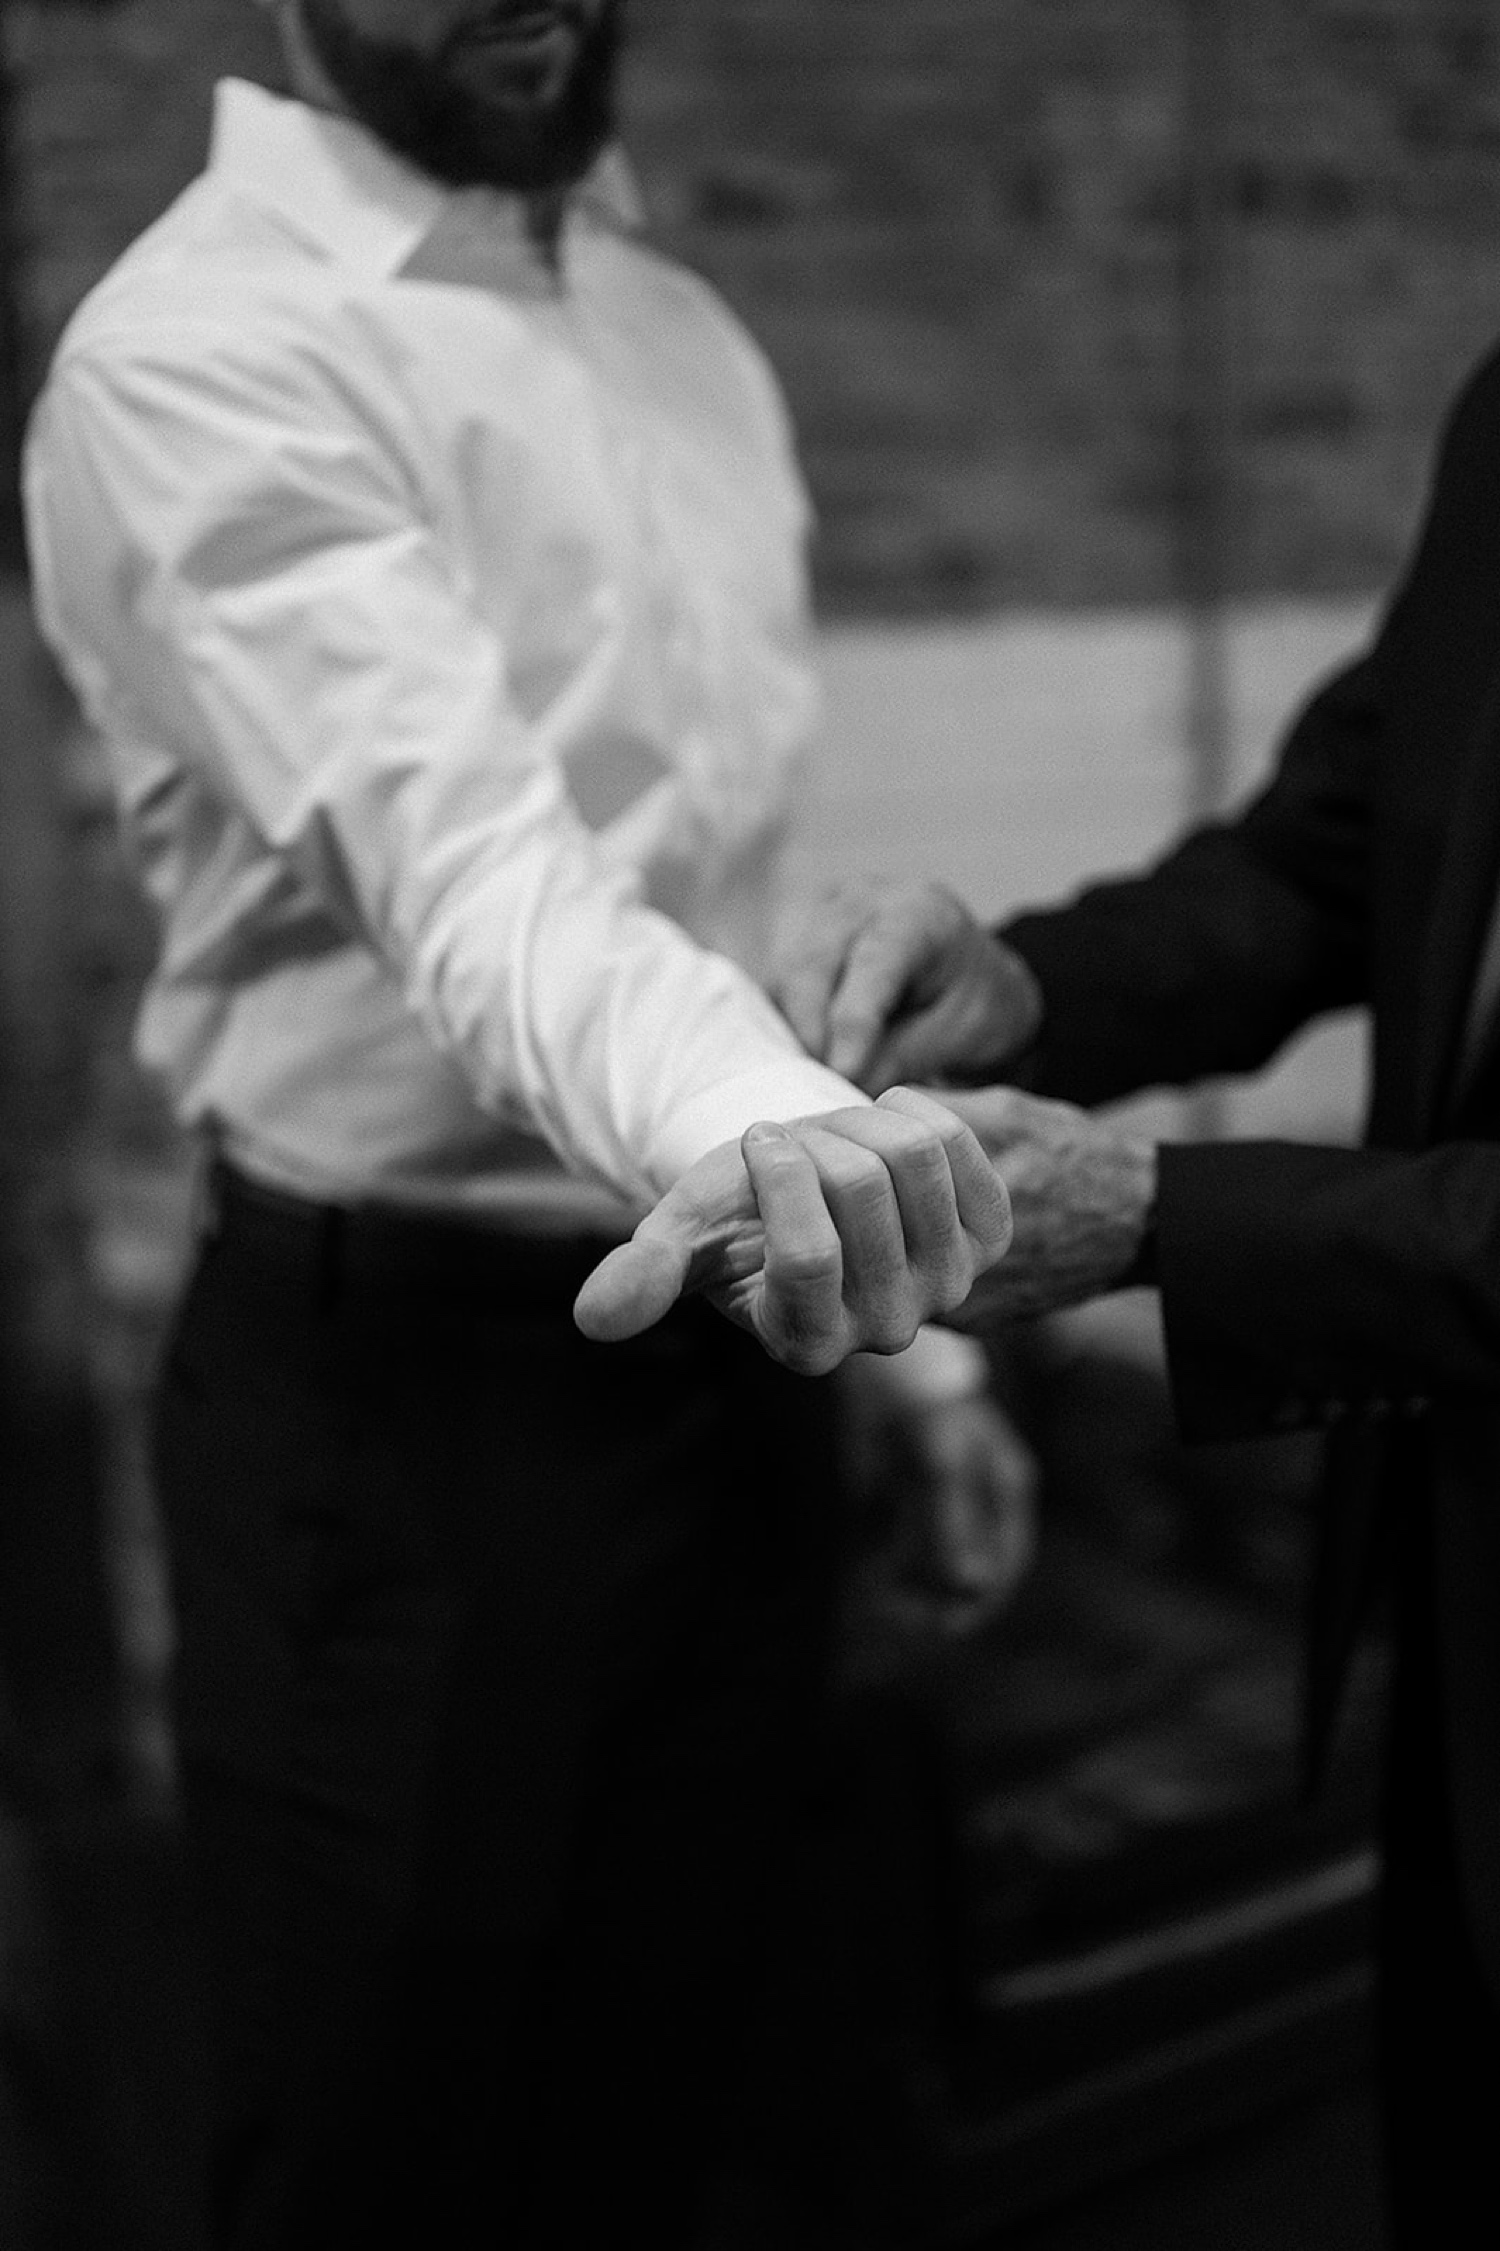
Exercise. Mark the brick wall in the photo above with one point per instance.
(958, 226)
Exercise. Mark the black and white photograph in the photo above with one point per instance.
(749, 1125)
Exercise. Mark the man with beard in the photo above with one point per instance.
(428, 555)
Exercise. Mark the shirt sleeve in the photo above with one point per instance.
(232, 545)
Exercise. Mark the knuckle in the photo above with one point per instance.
(950, 1280)
(956, 1134)
(781, 1171)
(805, 1266)
(890, 1329)
(932, 1120)
(808, 1344)
(924, 1153)
(897, 1131)
(995, 1228)
(862, 1177)
(986, 1249)
(810, 1359)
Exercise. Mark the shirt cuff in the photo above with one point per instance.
(795, 1087)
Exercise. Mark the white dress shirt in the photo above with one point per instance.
(451, 650)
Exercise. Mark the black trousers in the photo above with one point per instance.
(1439, 2021)
(497, 1656)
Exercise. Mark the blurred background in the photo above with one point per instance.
(1117, 334)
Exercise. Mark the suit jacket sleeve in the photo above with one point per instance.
(1304, 1284)
(1208, 962)
(1300, 1284)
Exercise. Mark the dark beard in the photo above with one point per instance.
(422, 106)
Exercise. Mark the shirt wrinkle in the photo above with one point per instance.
(433, 633)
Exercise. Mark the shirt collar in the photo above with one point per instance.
(332, 180)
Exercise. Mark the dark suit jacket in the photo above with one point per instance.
(1357, 1289)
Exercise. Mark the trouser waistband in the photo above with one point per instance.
(341, 1247)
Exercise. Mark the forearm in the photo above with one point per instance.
(306, 646)
(601, 1024)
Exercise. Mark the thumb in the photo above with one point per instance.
(633, 1287)
(880, 967)
(914, 1052)
(700, 1232)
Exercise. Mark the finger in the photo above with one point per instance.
(803, 984)
(922, 1045)
(912, 1052)
(916, 1161)
(800, 1318)
(882, 1298)
(983, 1202)
(702, 1233)
(885, 955)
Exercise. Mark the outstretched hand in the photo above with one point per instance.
(831, 1235)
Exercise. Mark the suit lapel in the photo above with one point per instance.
(1467, 885)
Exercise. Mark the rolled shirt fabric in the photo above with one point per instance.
(450, 644)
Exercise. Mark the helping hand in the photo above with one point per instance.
(828, 1236)
(889, 981)
(1081, 1193)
